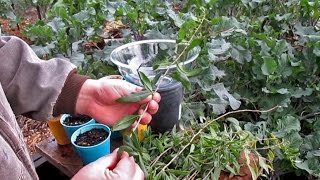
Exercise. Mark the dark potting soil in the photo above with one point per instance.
(92, 137)
(76, 120)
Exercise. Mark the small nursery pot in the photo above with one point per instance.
(71, 129)
(89, 154)
(169, 111)
(58, 132)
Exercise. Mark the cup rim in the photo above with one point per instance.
(120, 64)
(77, 126)
(88, 147)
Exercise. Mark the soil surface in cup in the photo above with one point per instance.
(91, 137)
(76, 120)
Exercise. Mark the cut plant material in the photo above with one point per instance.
(208, 151)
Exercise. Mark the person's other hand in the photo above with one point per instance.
(111, 167)
(97, 99)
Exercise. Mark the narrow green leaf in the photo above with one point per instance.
(178, 172)
(135, 97)
(229, 168)
(155, 79)
(161, 65)
(263, 164)
(192, 147)
(145, 81)
(216, 173)
(124, 122)
(159, 145)
(142, 166)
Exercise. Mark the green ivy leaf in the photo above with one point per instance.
(223, 94)
(56, 24)
(133, 15)
(218, 106)
(269, 66)
(181, 77)
(286, 125)
(192, 72)
(124, 122)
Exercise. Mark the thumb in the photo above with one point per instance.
(109, 161)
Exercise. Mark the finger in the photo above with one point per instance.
(153, 107)
(146, 118)
(138, 173)
(125, 169)
(126, 164)
(156, 96)
(124, 155)
(110, 160)
(145, 100)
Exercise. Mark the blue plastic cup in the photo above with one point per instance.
(71, 129)
(89, 154)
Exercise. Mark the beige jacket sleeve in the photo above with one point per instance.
(32, 86)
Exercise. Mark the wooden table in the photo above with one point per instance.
(64, 157)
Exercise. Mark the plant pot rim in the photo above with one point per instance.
(77, 133)
(127, 45)
(77, 126)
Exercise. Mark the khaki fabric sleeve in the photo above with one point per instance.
(31, 85)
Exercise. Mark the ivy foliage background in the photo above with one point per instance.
(256, 54)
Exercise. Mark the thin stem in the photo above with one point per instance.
(156, 159)
(309, 115)
(207, 176)
(138, 122)
(208, 123)
(39, 12)
(183, 51)
(194, 175)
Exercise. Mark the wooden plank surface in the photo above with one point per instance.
(64, 157)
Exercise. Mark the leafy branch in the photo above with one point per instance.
(148, 85)
(207, 124)
(188, 155)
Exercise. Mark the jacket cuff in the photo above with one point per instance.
(67, 99)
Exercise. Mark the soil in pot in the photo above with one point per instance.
(76, 120)
(92, 137)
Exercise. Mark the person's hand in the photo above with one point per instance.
(97, 99)
(111, 167)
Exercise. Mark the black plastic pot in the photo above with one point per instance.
(169, 111)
